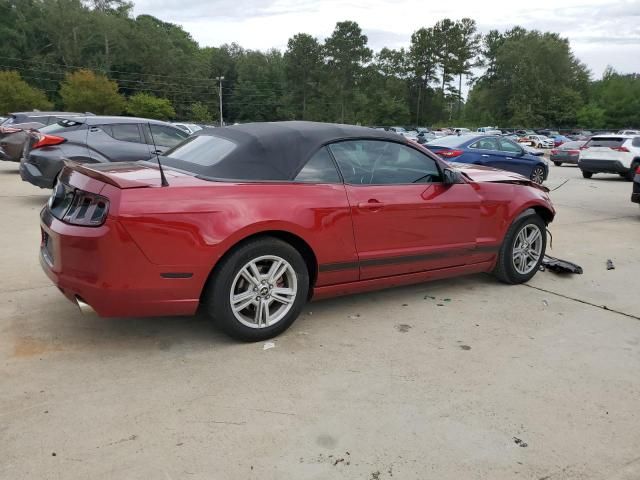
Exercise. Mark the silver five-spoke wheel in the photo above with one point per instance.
(537, 175)
(263, 291)
(527, 249)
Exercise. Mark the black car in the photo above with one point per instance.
(635, 195)
(568, 152)
(93, 139)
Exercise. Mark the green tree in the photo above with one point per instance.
(148, 106)
(85, 91)
(200, 113)
(423, 63)
(466, 46)
(303, 64)
(591, 116)
(16, 94)
(346, 52)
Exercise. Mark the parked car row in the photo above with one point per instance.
(491, 151)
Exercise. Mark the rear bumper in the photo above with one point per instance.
(564, 159)
(602, 166)
(36, 176)
(103, 268)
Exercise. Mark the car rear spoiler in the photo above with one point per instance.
(111, 178)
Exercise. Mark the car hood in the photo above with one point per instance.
(482, 174)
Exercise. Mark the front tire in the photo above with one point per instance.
(557, 164)
(258, 290)
(587, 174)
(522, 250)
(537, 175)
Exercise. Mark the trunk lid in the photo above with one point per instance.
(605, 148)
(126, 175)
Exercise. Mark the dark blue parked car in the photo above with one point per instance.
(492, 151)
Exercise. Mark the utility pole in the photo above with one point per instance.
(220, 79)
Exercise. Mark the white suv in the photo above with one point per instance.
(610, 154)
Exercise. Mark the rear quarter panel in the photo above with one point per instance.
(195, 226)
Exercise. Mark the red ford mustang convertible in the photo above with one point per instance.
(254, 220)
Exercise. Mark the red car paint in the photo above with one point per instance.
(158, 246)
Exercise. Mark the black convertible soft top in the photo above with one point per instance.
(271, 150)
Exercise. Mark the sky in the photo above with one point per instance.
(601, 32)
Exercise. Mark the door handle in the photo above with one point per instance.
(372, 205)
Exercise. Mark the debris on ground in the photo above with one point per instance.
(353, 317)
(545, 303)
(520, 442)
(403, 327)
(465, 347)
(610, 265)
(268, 345)
(560, 266)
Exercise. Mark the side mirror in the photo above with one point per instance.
(451, 177)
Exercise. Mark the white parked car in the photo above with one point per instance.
(629, 132)
(540, 141)
(610, 154)
(190, 128)
(489, 131)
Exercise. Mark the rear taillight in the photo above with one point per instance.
(48, 141)
(620, 149)
(584, 147)
(638, 170)
(87, 209)
(573, 152)
(554, 152)
(77, 206)
(450, 153)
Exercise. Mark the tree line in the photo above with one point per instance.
(94, 55)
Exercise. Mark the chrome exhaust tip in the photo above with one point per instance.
(84, 307)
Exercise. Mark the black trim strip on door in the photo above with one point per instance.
(334, 267)
(176, 275)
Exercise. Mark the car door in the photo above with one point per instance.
(513, 158)
(405, 219)
(484, 151)
(118, 142)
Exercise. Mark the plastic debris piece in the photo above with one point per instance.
(520, 443)
(352, 317)
(610, 265)
(545, 303)
(560, 266)
(268, 345)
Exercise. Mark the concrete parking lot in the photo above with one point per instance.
(457, 379)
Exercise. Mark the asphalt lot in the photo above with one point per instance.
(457, 379)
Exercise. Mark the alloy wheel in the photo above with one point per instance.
(537, 175)
(527, 249)
(263, 291)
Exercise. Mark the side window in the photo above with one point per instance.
(319, 169)
(378, 162)
(166, 136)
(485, 144)
(636, 142)
(126, 132)
(509, 146)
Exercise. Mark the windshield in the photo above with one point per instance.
(605, 142)
(60, 126)
(199, 151)
(449, 141)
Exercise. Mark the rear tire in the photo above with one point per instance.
(557, 164)
(522, 250)
(249, 298)
(587, 174)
